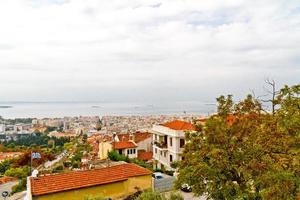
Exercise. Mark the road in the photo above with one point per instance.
(7, 187)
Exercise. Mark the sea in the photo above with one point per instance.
(11, 110)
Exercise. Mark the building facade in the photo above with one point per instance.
(168, 143)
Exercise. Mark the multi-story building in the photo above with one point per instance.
(168, 142)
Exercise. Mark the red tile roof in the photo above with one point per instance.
(138, 136)
(179, 125)
(7, 179)
(145, 156)
(123, 145)
(9, 155)
(74, 180)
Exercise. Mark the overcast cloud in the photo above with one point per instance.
(137, 50)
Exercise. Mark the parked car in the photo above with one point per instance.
(186, 188)
(157, 175)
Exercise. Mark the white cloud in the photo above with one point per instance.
(127, 49)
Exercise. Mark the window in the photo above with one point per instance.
(171, 141)
(171, 158)
(156, 150)
(133, 151)
(182, 142)
(128, 151)
(165, 154)
(161, 153)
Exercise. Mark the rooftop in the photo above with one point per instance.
(80, 179)
(179, 125)
(124, 145)
(138, 136)
(145, 156)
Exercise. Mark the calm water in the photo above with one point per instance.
(62, 109)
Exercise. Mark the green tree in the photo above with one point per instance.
(243, 152)
(19, 172)
(84, 138)
(5, 165)
(115, 156)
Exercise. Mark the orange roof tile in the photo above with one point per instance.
(138, 136)
(179, 125)
(123, 145)
(74, 180)
(142, 155)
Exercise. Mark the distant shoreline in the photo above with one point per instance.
(5, 106)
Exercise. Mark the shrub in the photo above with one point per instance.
(75, 165)
(115, 156)
(20, 187)
(175, 196)
(58, 169)
(151, 195)
(19, 172)
(5, 165)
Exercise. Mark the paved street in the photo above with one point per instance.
(7, 187)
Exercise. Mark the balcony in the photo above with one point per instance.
(161, 144)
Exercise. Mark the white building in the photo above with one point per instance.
(168, 142)
(2, 128)
(127, 148)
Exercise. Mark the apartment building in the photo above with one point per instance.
(168, 142)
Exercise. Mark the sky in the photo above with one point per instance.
(146, 50)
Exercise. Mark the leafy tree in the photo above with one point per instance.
(5, 165)
(25, 159)
(115, 156)
(19, 172)
(243, 152)
(68, 146)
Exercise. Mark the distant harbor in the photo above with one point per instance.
(71, 109)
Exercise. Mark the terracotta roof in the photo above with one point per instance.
(99, 137)
(124, 145)
(142, 155)
(138, 136)
(179, 125)
(7, 179)
(80, 179)
(9, 155)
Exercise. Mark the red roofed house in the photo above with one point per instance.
(126, 144)
(169, 140)
(126, 148)
(115, 182)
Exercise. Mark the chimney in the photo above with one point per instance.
(131, 137)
